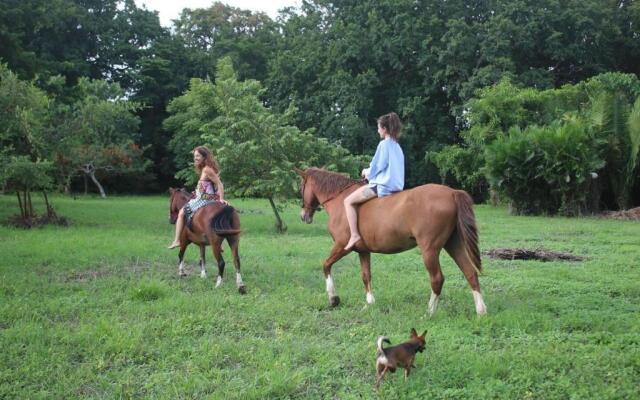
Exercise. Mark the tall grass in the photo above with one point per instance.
(97, 310)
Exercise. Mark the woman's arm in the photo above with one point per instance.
(380, 161)
(213, 177)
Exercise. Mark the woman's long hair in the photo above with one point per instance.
(207, 160)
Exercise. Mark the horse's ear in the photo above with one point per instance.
(300, 172)
(424, 334)
(413, 332)
(171, 190)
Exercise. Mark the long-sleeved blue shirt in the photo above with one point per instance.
(387, 168)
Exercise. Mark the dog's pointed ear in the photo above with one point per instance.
(300, 172)
(413, 332)
(424, 334)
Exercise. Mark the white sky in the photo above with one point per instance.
(170, 9)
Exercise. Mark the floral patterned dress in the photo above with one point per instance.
(206, 193)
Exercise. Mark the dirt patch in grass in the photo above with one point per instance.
(632, 214)
(85, 276)
(39, 220)
(537, 254)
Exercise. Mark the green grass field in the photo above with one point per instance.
(97, 310)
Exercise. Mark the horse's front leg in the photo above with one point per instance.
(234, 243)
(203, 272)
(183, 248)
(337, 252)
(365, 272)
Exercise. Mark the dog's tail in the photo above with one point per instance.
(380, 340)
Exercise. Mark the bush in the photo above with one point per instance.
(546, 169)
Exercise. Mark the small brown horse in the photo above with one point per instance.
(211, 225)
(431, 217)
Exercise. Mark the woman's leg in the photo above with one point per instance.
(359, 196)
(179, 226)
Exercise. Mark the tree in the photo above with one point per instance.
(24, 112)
(256, 147)
(96, 134)
(25, 176)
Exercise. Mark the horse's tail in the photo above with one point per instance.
(223, 222)
(467, 229)
(380, 340)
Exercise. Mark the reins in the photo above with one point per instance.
(340, 191)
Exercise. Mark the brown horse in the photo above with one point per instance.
(431, 217)
(211, 225)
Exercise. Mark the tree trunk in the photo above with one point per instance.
(50, 212)
(28, 205)
(23, 213)
(86, 184)
(31, 213)
(280, 226)
(93, 178)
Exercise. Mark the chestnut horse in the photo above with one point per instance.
(211, 225)
(431, 217)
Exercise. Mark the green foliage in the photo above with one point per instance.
(602, 104)
(97, 132)
(188, 114)
(464, 164)
(224, 31)
(25, 175)
(545, 169)
(24, 114)
(612, 111)
(256, 147)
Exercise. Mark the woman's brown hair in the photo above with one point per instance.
(207, 160)
(391, 122)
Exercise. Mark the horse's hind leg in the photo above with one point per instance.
(234, 243)
(203, 272)
(216, 247)
(183, 248)
(455, 248)
(365, 273)
(431, 258)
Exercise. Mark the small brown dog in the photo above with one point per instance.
(400, 356)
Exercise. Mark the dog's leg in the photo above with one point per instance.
(381, 376)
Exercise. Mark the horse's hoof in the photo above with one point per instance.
(242, 289)
(182, 273)
(203, 274)
(219, 282)
(334, 301)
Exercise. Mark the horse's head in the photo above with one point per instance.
(310, 203)
(177, 199)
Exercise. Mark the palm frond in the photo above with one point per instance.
(633, 124)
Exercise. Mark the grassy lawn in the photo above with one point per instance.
(97, 310)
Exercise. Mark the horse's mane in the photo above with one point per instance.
(329, 182)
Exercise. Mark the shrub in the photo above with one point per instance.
(545, 169)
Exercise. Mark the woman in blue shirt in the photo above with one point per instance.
(385, 174)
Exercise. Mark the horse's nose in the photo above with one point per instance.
(305, 217)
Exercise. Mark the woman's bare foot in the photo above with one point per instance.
(352, 242)
(176, 243)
